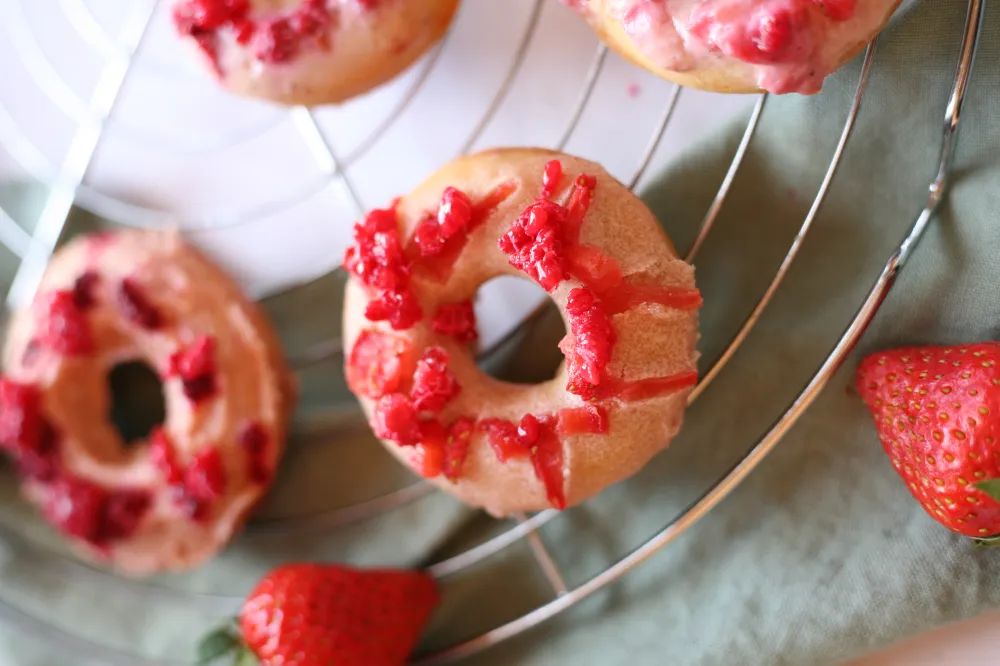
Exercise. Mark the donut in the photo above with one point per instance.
(738, 46)
(173, 499)
(628, 302)
(310, 52)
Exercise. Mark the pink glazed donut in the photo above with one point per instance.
(629, 303)
(175, 499)
(739, 46)
(311, 52)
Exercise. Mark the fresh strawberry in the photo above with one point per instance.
(326, 615)
(937, 411)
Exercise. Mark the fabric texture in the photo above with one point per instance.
(818, 557)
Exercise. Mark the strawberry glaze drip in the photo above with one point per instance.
(536, 438)
(589, 419)
(274, 40)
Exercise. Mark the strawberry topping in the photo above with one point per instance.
(379, 363)
(395, 419)
(253, 439)
(136, 307)
(434, 385)
(195, 365)
(588, 348)
(536, 438)
(64, 327)
(457, 320)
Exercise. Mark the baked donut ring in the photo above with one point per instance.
(311, 52)
(172, 501)
(630, 306)
(739, 46)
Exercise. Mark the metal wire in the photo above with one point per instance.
(68, 189)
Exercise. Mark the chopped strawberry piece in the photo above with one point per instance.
(454, 213)
(588, 348)
(434, 385)
(400, 308)
(457, 320)
(205, 478)
(204, 482)
(590, 419)
(162, 454)
(75, 506)
(123, 513)
(64, 327)
(22, 424)
(85, 290)
(195, 365)
(136, 307)
(428, 238)
(504, 438)
(91, 513)
(378, 364)
(395, 419)
(253, 439)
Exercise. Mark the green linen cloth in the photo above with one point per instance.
(819, 556)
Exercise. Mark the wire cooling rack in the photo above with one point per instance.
(68, 190)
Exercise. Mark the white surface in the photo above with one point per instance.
(188, 154)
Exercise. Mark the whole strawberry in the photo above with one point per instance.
(937, 411)
(325, 615)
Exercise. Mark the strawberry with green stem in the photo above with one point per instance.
(937, 412)
(326, 615)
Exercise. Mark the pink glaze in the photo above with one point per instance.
(274, 37)
(782, 46)
(173, 500)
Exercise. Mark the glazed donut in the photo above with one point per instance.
(310, 52)
(738, 46)
(629, 304)
(174, 500)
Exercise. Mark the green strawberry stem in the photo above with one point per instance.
(224, 642)
(988, 542)
(991, 488)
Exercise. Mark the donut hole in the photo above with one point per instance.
(137, 403)
(529, 353)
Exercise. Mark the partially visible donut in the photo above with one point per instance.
(311, 52)
(739, 46)
(629, 303)
(174, 500)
